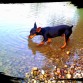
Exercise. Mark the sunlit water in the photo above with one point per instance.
(18, 54)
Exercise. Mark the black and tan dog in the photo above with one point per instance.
(51, 32)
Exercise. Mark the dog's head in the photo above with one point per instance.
(34, 31)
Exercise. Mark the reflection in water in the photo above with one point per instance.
(54, 13)
(54, 55)
(18, 54)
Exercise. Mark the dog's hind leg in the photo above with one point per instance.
(65, 43)
(66, 37)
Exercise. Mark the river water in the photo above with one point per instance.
(18, 54)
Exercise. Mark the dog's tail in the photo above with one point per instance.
(71, 26)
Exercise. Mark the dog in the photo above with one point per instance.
(50, 32)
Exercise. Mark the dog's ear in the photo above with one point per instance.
(35, 26)
(38, 29)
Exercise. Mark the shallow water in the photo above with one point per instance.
(18, 54)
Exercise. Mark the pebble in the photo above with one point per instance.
(66, 72)
(68, 52)
(43, 77)
(68, 75)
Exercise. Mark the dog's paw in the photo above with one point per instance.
(62, 47)
(38, 45)
(42, 43)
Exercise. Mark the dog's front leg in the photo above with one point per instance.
(45, 39)
(42, 43)
(49, 40)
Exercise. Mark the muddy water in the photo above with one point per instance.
(18, 54)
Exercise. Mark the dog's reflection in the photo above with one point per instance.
(51, 51)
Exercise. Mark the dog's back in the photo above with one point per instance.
(57, 30)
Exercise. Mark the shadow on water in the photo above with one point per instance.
(9, 79)
(18, 54)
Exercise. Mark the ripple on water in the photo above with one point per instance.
(18, 58)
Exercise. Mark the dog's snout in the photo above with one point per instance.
(31, 36)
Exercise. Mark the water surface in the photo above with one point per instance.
(18, 54)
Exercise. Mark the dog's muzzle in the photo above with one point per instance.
(31, 36)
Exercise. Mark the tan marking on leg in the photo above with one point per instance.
(64, 43)
(49, 40)
(42, 43)
(31, 36)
